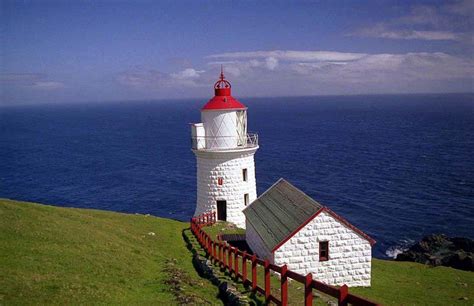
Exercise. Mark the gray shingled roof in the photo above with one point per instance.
(279, 211)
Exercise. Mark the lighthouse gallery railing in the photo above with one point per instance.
(224, 142)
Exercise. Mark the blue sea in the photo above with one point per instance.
(396, 166)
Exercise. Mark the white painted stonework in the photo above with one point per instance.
(226, 164)
(349, 254)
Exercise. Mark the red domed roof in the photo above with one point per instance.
(222, 99)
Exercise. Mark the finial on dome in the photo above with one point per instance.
(222, 86)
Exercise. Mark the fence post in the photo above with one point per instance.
(229, 259)
(214, 254)
(209, 250)
(209, 246)
(254, 272)
(308, 292)
(224, 248)
(267, 280)
(284, 286)
(214, 216)
(343, 292)
(244, 268)
(221, 254)
(236, 263)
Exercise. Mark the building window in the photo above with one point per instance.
(323, 250)
(244, 174)
(220, 180)
(246, 199)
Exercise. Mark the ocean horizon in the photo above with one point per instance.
(397, 166)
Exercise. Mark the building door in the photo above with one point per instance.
(222, 210)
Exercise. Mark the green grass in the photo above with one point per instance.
(409, 283)
(393, 283)
(53, 255)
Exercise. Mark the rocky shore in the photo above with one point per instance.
(441, 250)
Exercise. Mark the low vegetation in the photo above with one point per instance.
(54, 255)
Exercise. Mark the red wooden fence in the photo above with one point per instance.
(230, 259)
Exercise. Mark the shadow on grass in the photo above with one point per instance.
(217, 275)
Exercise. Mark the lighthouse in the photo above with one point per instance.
(225, 157)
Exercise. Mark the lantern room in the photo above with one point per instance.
(224, 122)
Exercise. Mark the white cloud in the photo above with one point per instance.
(293, 72)
(30, 80)
(186, 74)
(291, 55)
(408, 66)
(47, 85)
(271, 63)
(20, 78)
(153, 79)
(450, 22)
(138, 78)
(383, 32)
(318, 72)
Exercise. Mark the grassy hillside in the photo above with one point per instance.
(409, 283)
(53, 255)
(69, 256)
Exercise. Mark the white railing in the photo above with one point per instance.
(224, 142)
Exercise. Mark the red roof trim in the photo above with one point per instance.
(352, 227)
(298, 229)
(333, 214)
(223, 103)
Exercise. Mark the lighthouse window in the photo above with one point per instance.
(246, 199)
(244, 174)
(323, 250)
(220, 180)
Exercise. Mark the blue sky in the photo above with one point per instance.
(92, 51)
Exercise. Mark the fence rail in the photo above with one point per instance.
(235, 262)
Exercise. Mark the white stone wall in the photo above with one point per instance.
(256, 243)
(228, 165)
(349, 254)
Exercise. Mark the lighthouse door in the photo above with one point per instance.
(222, 210)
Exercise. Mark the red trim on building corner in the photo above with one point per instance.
(297, 229)
(352, 227)
(333, 214)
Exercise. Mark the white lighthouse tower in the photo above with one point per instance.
(225, 157)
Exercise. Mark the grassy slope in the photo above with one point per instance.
(396, 283)
(409, 283)
(69, 256)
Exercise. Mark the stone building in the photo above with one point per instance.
(286, 226)
(225, 157)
